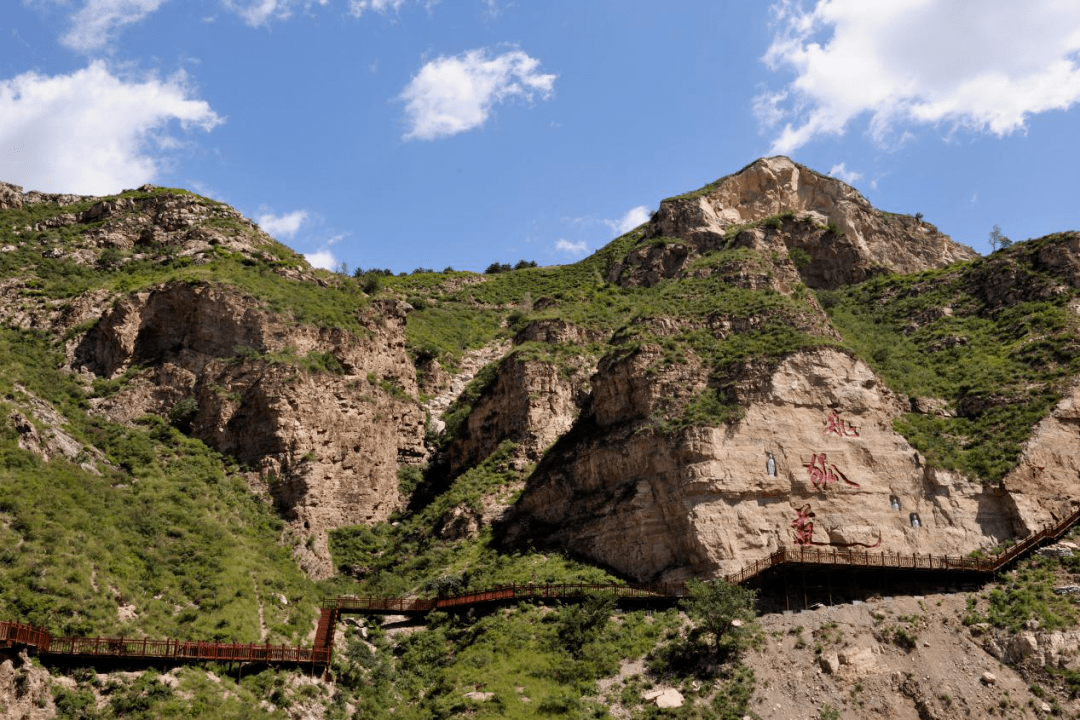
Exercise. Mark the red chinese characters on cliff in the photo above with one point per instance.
(822, 473)
(804, 526)
(834, 425)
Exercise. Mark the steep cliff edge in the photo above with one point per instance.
(175, 305)
(814, 453)
(835, 236)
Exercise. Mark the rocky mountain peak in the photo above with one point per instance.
(840, 238)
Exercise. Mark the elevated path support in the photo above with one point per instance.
(816, 562)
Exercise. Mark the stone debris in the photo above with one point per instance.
(1057, 550)
(830, 662)
(664, 698)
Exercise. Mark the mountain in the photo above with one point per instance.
(204, 435)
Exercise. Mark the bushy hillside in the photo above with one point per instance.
(203, 437)
(984, 348)
(140, 531)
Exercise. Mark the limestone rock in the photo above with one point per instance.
(530, 401)
(1046, 481)
(327, 445)
(845, 238)
(829, 662)
(664, 698)
(705, 501)
(25, 690)
(860, 660)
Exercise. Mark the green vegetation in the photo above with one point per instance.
(149, 695)
(165, 526)
(722, 610)
(331, 302)
(409, 557)
(1028, 594)
(516, 656)
(455, 316)
(1000, 364)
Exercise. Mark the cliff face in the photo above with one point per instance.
(811, 453)
(689, 405)
(843, 238)
(814, 448)
(327, 442)
(321, 415)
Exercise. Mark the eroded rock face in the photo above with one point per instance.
(531, 402)
(25, 690)
(1045, 484)
(845, 238)
(816, 438)
(327, 443)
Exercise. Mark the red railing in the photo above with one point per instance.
(12, 633)
(38, 639)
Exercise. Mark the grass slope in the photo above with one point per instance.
(172, 529)
(1000, 365)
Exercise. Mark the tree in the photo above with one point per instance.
(720, 609)
(998, 240)
(582, 623)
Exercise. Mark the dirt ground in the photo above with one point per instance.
(900, 657)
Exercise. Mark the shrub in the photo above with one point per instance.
(799, 257)
(722, 610)
(183, 412)
(581, 623)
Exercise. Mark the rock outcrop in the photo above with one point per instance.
(1045, 485)
(531, 402)
(839, 237)
(814, 459)
(324, 415)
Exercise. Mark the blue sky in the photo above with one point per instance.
(408, 133)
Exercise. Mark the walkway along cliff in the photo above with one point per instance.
(88, 650)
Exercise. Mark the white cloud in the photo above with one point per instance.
(629, 221)
(358, 7)
(849, 176)
(576, 249)
(282, 226)
(323, 259)
(986, 68)
(90, 131)
(451, 95)
(96, 24)
(260, 12)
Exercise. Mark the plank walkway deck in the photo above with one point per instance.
(40, 641)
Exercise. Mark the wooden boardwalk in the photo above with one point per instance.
(41, 642)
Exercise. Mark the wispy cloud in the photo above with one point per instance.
(451, 95)
(629, 221)
(574, 249)
(359, 7)
(283, 226)
(841, 172)
(257, 13)
(910, 62)
(91, 131)
(99, 21)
